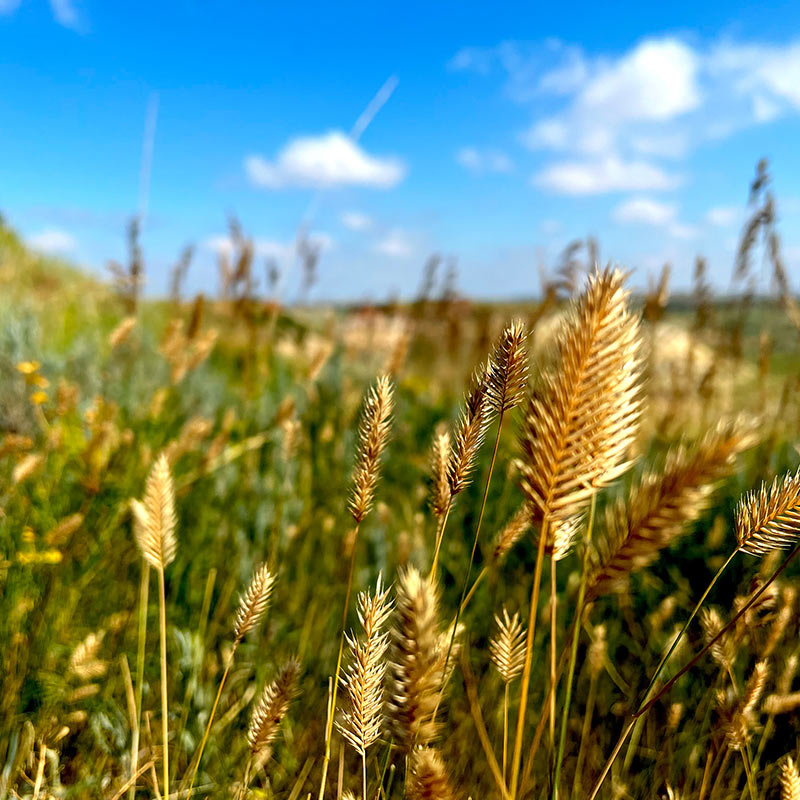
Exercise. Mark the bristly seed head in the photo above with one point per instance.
(507, 377)
(507, 648)
(440, 486)
(272, 707)
(471, 431)
(254, 602)
(154, 519)
(373, 434)
(583, 418)
(363, 679)
(769, 518)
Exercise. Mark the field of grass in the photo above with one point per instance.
(624, 452)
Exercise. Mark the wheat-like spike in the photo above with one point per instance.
(254, 602)
(507, 378)
(507, 648)
(782, 703)
(155, 518)
(790, 780)
(769, 518)
(755, 687)
(272, 707)
(723, 651)
(440, 486)
(563, 537)
(511, 533)
(471, 431)
(373, 434)
(417, 661)
(661, 506)
(428, 778)
(363, 680)
(582, 420)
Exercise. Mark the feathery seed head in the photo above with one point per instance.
(419, 652)
(790, 780)
(660, 506)
(583, 418)
(507, 648)
(272, 707)
(428, 779)
(511, 533)
(363, 678)
(254, 602)
(769, 518)
(154, 519)
(507, 377)
(440, 487)
(373, 434)
(471, 431)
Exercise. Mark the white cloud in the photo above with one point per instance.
(602, 175)
(66, 13)
(624, 102)
(646, 211)
(356, 221)
(397, 244)
(480, 161)
(9, 6)
(656, 102)
(53, 240)
(723, 216)
(643, 209)
(326, 161)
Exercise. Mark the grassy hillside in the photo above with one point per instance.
(257, 409)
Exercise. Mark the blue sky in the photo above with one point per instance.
(507, 130)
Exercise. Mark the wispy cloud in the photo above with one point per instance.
(604, 174)
(326, 161)
(483, 161)
(396, 243)
(356, 221)
(646, 211)
(66, 13)
(9, 6)
(723, 216)
(54, 241)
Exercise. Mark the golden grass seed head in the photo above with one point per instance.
(429, 779)
(363, 678)
(440, 485)
(507, 647)
(769, 518)
(373, 435)
(272, 707)
(507, 376)
(470, 431)
(509, 535)
(582, 420)
(418, 656)
(254, 602)
(154, 517)
(790, 780)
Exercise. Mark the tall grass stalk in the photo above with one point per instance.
(516, 758)
(162, 616)
(144, 590)
(573, 657)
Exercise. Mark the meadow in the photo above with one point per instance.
(546, 546)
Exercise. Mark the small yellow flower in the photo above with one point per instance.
(28, 535)
(37, 398)
(39, 381)
(28, 367)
